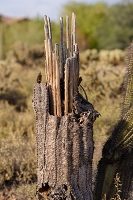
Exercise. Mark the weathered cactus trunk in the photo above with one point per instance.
(64, 124)
(65, 151)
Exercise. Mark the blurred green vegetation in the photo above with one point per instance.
(28, 32)
(102, 26)
(103, 33)
(99, 26)
(88, 17)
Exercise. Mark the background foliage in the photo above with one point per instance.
(99, 26)
(103, 34)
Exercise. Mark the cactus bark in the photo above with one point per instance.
(65, 150)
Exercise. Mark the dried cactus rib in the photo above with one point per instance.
(56, 61)
(67, 36)
(67, 66)
(62, 48)
(73, 34)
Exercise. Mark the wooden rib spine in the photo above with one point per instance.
(66, 102)
(62, 66)
(58, 92)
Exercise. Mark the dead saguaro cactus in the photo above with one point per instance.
(64, 122)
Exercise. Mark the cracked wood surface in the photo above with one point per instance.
(64, 150)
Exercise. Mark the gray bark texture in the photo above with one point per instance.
(64, 149)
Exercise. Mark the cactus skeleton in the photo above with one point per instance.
(64, 123)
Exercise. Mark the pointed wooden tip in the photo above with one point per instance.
(39, 78)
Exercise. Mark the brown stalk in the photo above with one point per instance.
(67, 36)
(67, 65)
(58, 92)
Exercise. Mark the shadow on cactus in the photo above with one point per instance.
(117, 154)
